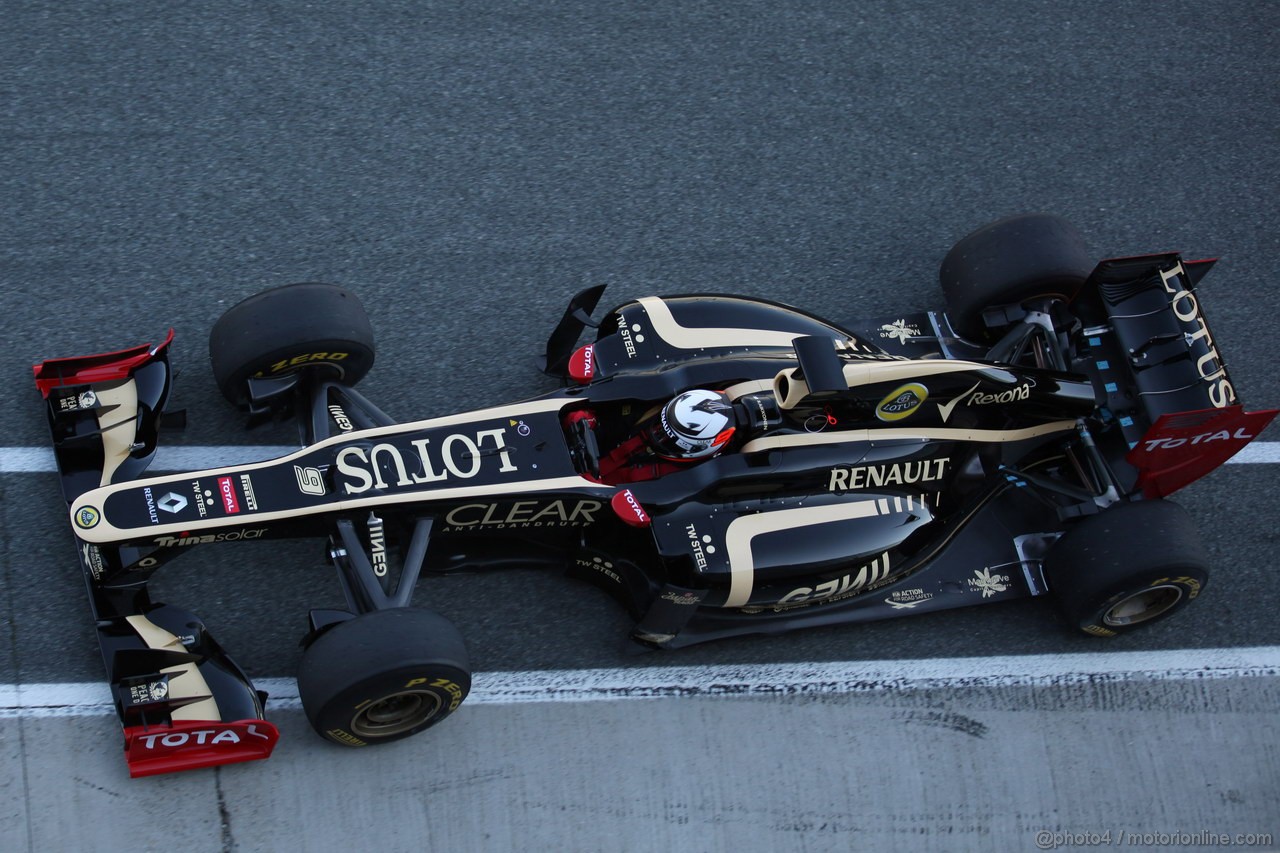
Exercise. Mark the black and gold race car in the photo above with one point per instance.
(722, 465)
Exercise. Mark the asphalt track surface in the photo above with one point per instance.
(468, 167)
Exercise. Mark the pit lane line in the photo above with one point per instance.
(40, 460)
(755, 681)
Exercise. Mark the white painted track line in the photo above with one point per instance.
(39, 460)
(838, 677)
(1257, 453)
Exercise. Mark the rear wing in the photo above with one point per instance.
(1155, 360)
(182, 702)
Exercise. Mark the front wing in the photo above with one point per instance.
(181, 701)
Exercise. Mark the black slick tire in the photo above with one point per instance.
(307, 326)
(383, 676)
(1011, 262)
(1127, 567)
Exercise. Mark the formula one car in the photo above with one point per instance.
(722, 465)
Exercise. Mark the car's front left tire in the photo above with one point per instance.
(316, 327)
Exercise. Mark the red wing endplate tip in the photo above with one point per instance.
(192, 744)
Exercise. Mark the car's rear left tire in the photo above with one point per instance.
(383, 676)
(1127, 567)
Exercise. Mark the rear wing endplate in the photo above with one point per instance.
(1181, 448)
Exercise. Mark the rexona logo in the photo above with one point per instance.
(226, 536)
(458, 456)
(974, 397)
(901, 402)
(1209, 366)
(1014, 395)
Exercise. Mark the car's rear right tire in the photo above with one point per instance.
(1127, 567)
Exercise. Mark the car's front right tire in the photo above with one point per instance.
(383, 676)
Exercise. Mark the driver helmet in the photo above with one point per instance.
(694, 425)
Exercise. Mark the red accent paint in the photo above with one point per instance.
(582, 365)
(85, 369)
(632, 462)
(628, 509)
(191, 744)
(580, 415)
(1182, 447)
(227, 492)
